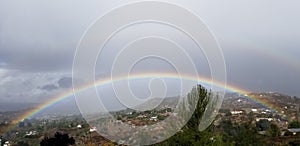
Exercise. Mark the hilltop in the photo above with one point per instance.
(284, 105)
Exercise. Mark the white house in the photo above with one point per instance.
(294, 130)
(236, 112)
(93, 129)
(254, 110)
(153, 118)
(6, 143)
(269, 119)
(30, 133)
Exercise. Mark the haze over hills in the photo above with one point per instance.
(276, 100)
(273, 107)
(286, 106)
(15, 106)
(236, 101)
(231, 101)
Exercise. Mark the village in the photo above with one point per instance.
(236, 108)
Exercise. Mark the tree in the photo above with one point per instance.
(263, 125)
(160, 117)
(59, 139)
(227, 127)
(294, 124)
(246, 134)
(190, 134)
(274, 130)
(22, 143)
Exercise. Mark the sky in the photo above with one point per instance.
(260, 41)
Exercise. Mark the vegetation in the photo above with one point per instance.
(59, 139)
(227, 132)
(190, 134)
(294, 124)
(253, 128)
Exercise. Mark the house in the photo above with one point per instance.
(6, 143)
(294, 130)
(93, 129)
(268, 119)
(30, 133)
(236, 112)
(254, 110)
(79, 126)
(153, 118)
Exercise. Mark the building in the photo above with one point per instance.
(30, 133)
(294, 130)
(153, 118)
(236, 112)
(268, 119)
(6, 143)
(254, 110)
(93, 129)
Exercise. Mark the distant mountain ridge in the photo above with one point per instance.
(231, 101)
(286, 106)
(7, 106)
(159, 103)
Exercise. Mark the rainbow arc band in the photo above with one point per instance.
(102, 82)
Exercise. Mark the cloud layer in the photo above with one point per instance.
(38, 39)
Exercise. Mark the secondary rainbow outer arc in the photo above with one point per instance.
(102, 82)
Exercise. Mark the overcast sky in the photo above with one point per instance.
(38, 39)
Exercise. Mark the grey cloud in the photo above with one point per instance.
(65, 82)
(38, 41)
(40, 36)
(30, 87)
(49, 87)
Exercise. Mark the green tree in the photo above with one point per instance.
(160, 117)
(246, 135)
(263, 125)
(22, 143)
(294, 124)
(190, 134)
(274, 130)
(200, 94)
(59, 139)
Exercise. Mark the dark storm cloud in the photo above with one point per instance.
(27, 86)
(65, 82)
(49, 87)
(37, 44)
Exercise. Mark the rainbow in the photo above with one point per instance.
(102, 82)
(278, 55)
